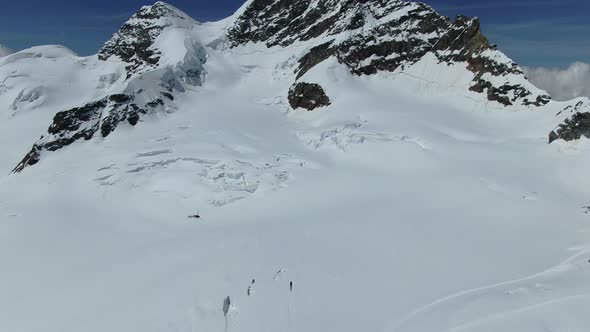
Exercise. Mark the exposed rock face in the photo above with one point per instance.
(576, 125)
(308, 96)
(382, 35)
(132, 43)
(83, 123)
(573, 128)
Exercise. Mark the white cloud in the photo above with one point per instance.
(4, 51)
(562, 84)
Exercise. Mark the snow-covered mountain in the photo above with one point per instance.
(346, 165)
(157, 54)
(373, 36)
(162, 54)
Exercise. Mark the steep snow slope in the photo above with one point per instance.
(408, 204)
(38, 82)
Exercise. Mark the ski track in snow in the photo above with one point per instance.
(537, 290)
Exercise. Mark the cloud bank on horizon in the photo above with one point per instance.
(4, 51)
(562, 84)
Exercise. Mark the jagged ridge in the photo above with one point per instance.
(374, 36)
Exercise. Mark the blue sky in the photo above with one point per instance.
(549, 33)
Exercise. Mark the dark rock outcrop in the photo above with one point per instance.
(573, 128)
(132, 43)
(575, 122)
(381, 35)
(83, 123)
(308, 96)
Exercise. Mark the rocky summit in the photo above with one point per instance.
(386, 35)
(134, 42)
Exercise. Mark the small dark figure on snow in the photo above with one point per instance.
(226, 306)
(291, 286)
(195, 216)
(253, 281)
(249, 292)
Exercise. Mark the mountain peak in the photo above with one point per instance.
(160, 9)
(388, 35)
(161, 55)
(134, 40)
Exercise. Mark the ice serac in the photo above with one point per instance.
(385, 35)
(161, 55)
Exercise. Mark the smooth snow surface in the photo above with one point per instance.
(406, 206)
